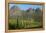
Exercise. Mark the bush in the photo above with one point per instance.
(12, 26)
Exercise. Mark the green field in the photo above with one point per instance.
(22, 23)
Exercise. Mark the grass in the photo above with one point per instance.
(23, 23)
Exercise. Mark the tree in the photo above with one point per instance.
(38, 14)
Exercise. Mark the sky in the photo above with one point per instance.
(25, 6)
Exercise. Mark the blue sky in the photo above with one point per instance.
(25, 6)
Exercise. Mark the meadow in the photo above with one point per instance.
(23, 23)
